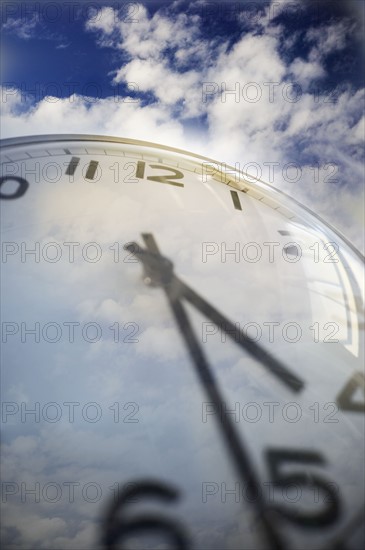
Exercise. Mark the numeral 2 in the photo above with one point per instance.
(165, 178)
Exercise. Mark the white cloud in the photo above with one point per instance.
(113, 116)
(102, 20)
(305, 72)
(29, 27)
(151, 75)
(35, 530)
(329, 38)
(23, 27)
(148, 37)
(63, 46)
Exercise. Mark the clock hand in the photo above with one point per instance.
(238, 336)
(236, 448)
(159, 272)
(158, 269)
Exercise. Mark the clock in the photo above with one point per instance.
(182, 355)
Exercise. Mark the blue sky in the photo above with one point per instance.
(162, 71)
(45, 45)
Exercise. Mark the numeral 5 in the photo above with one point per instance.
(304, 479)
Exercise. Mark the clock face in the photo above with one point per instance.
(182, 355)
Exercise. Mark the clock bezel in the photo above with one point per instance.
(244, 177)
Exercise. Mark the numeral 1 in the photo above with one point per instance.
(236, 200)
(140, 169)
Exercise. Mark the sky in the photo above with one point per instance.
(274, 88)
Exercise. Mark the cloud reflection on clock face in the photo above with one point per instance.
(97, 356)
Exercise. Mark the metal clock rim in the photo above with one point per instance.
(34, 139)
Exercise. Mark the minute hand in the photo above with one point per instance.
(253, 348)
(160, 273)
